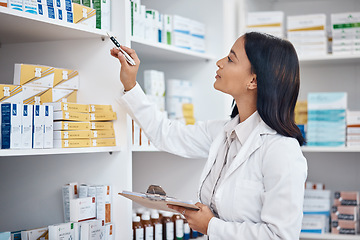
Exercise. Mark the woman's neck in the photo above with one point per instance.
(245, 108)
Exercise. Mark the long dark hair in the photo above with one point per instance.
(276, 65)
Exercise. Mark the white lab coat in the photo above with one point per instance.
(261, 196)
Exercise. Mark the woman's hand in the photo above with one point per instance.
(198, 220)
(128, 72)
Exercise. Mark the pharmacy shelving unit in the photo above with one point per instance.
(31, 180)
(329, 236)
(336, 167)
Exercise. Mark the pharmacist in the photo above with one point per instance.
(252, 186)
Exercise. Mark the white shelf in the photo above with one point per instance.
(145, 149)
(163, 52)
(329, 59)
(29, 152)
(329, 236)
(330, 149)
(19, 27)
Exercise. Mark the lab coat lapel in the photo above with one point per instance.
(251, 145)
(212, 156)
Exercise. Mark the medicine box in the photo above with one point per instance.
(97, 229)
(101, 125)
(59, 135)
(103, 142)
(64, 231)
(168, 30)
(33, 75)
(103, 133)
(109, 231)
(10, 93)
(103, 203)
(38, 126)
(100, 108)
(66, 78)
(3, 3)
(16, 235)
(68, 106)
(82, 209)
(103, 16)
(48, 126)
(68, 125)
(49, 3)
(84, 15)
(46, 11)
(36, 95)
(10, 125)
(102, 116)
(26, 126)
(34, 234)
(63, 4)
(271, 22)
(317, 194)
(315, 223)
(344, 227)
(311, 22)
(5, 235)
(69, 191)
(71, 116)
(30, 6)
(349, 213)
(346, 198)
(64, 95)
(72, 143)
(15, 4)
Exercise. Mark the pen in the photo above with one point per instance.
(117, 44)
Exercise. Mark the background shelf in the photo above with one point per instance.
(329, 236)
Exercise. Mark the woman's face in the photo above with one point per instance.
(234, 75)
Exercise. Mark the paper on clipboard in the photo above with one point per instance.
(156, 201)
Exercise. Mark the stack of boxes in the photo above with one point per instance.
(345, 213)
(326, 119)
(83, 125)
(300, 113)
(271, 22)
(352, 128)
(316, 211)
(308, 34)
(154, 87)
(345, 31)
(178, 93)
(152, 26)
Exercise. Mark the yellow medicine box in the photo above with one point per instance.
(102, 116)
(68, 125)
(101, 125)
(103, 142)
(66, 79)
(36, 95)
(64, 95)
(11, 93)
(72, 134)
(102, 133)
(72, 143)
(34, 75)
(71, 116)
(100, 108)
(68, 106)
(84, 15)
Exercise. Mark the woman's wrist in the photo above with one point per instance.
(129, 86)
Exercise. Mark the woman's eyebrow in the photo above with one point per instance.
(233, 52)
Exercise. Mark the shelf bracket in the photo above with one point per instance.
(102, 38)
(110, 153)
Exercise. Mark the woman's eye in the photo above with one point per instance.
(229, 59)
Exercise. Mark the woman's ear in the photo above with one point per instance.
(252, 84)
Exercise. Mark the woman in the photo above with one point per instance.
(252, 186)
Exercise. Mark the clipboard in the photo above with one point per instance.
(156, 201)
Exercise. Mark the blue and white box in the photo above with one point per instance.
(15, 4)
(326, 119)
(181, 32)
(5, 236)
(46, 11)
(10, 126)
(30, 6)
(197, 32)
(38, 126)
(49, 3)
(26, 126)
(48, 126)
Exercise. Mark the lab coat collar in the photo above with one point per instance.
(251, 144)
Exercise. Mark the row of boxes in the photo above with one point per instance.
(152, 26)
(88, 230)
(26, 126)
(97, 14)
(154, 87)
